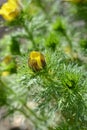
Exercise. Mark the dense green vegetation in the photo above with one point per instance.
(54, 79)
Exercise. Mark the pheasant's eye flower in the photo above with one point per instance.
(36, 61)
(10, 10)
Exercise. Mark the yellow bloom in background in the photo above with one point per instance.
(5, 73)
(68, 51)
(36, 61)
(7, 59)
(9, 65)
(10, 10)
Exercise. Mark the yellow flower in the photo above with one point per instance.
(10, 10)
(9, 65)
(5, 73)
(36, 61)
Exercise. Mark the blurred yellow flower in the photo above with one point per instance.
(7, 59)
(10, 10)
(9, 65)
(36, 61)
(68, 51)
(5, 73)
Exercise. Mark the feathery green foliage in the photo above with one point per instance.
(57, 91)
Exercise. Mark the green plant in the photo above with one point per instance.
(54, 79)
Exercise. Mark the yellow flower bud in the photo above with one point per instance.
(10, 10)
(36, 61)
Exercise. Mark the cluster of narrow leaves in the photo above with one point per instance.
(57, 90)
